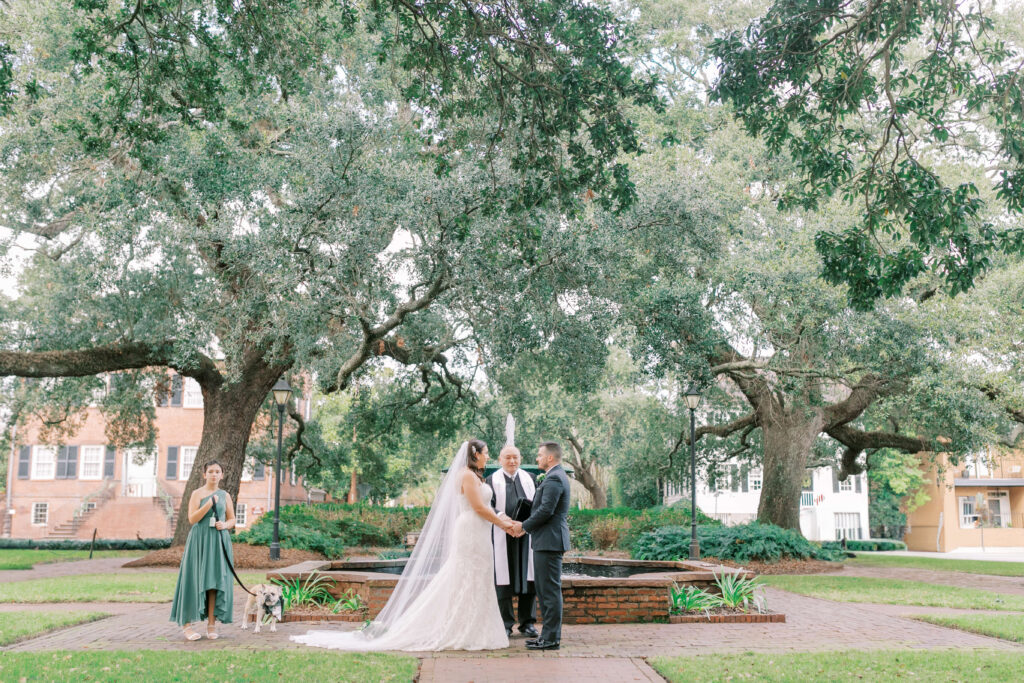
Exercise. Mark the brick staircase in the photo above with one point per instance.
(169, 506)
(90, 504)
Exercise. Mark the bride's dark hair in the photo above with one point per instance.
(475, 447)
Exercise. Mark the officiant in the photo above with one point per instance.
(513, 560)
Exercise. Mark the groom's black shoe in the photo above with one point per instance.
(541, 644)
(508, 632)
(529, 631)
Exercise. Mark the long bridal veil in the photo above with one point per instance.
(432, 548)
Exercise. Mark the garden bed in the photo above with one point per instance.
(246, 557)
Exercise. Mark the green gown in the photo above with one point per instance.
(203, 568)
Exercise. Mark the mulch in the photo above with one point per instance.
(246, 557)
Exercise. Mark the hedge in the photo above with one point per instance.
(76, 544)
(329, 528)
(620, 527)
(868, 544)
(741, 543)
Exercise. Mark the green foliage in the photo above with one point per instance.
(331, 527)
(691, 599)
(101, 544)
(619, 528)
(393, 554)
(307, 592)
(741, 543)
(840, 87)
(866, 545)
(350, 601)
(737, 592)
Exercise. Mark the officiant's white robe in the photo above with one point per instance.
(501, 575)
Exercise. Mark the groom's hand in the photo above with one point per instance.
(516, 530)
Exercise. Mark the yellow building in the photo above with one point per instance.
(978, 503)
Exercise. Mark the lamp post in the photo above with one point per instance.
(692, 397)
(282, 392)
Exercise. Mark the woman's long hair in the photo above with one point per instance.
(475, 448)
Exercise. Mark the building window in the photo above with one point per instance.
(754, 478)
(67, 462)
(188, 456)
(847, 525)
(40, 513)
(92, 462)
(998, 508)
(846, 485)
(968, 515)
(259, 472)
(193, 394)
(240, 509)
(295, 477)
(44, 463)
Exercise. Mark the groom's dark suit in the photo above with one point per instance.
(548, 526)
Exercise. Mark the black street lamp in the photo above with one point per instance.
(692, 397)
(282, 392)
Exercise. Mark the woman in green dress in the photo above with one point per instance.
(204, 589)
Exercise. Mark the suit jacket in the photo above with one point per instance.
(548, 524)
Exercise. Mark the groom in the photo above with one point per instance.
(548, 527)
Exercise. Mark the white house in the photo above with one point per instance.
(829, 509)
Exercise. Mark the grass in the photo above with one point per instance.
(1005, 626)
(141, 587)
(939, 564)
(894, 592)
(152, 666)
(934, 665)
(15, 626)
(26, 559)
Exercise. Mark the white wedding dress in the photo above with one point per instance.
(456, 609)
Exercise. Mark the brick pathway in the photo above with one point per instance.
(102, 565)
(589, 652)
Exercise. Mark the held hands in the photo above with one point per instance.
(515, 530)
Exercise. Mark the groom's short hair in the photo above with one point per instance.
(553, 448)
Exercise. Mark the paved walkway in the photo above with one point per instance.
(995, 584)
(989, 555)
(103, 565)
(589, 652)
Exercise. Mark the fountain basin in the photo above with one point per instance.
(595, 590)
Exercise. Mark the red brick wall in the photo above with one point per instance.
(125, 517)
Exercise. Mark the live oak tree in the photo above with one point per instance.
(233, 191)
(724, 291)
(892, 105)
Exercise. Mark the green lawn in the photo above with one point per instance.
(141, 587)
(18, 625)
(25, 559)
(894, 592)
(939, 564)
(151, 666)
(1005, 626)
(935, 665)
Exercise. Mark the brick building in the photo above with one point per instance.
(84, 484)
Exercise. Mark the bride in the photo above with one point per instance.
(445, 598)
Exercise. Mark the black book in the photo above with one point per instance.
(522, 511)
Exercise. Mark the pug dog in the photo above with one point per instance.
(266, 603)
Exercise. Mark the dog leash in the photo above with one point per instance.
(224, 549)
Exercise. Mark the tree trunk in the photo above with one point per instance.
(788, 435)
(228, 415)
(586, 474)
(353, 488)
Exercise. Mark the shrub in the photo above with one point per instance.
(329, 528)
(76, 544)
(620, 527)
(741, 543)
(867, 545)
